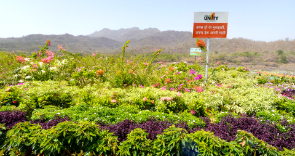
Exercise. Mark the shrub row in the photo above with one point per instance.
(87, 138)
(278, 133)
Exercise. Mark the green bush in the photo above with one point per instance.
(136, 144)
(169, 142)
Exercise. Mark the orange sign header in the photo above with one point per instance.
(210, 25)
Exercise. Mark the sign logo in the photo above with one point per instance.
(211, 17)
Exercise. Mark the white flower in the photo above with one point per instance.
(21, 81)
(42, 72)
(27, 59)
(57, 62)
(52, 68)
(65, 61)
(40, 64)
(25, 68)
(28, 77)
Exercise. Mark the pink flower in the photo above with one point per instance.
(141, 86)
(50, 53)
(113, 101)
(60, 47)
(163, 88)
(169, 98)
(35, 65)
(160, 62)
(93, 54)
(218, 62)
(157, 50)
(246, 69)
(166, 98)
(145, 64)
(163, 98)
(144, 99)
(178, 94)
(8, 89)
(193, 112)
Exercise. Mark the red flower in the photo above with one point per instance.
(14, 102)
(99, 72)
(167, 80)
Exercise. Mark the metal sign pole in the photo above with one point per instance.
(207, 60)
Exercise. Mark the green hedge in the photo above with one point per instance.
(85, 138)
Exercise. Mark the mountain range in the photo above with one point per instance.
(145, 40)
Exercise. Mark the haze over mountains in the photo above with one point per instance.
(145, 40)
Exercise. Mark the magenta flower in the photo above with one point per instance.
(193, 112)
(197, 78)
(172, 89)
(187, 90)
(163, 88)
(48, 42)
(141, 86)
(192, 71)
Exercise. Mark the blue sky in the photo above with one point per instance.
(260, 20)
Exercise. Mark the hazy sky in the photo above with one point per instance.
(264, 20)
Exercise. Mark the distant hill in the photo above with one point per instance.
(142, 41)
(122, 35)
(69, 42)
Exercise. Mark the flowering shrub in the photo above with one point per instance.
(201, 44)
(139, 101)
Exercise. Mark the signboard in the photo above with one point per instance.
(196, 51)
(210, 24)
